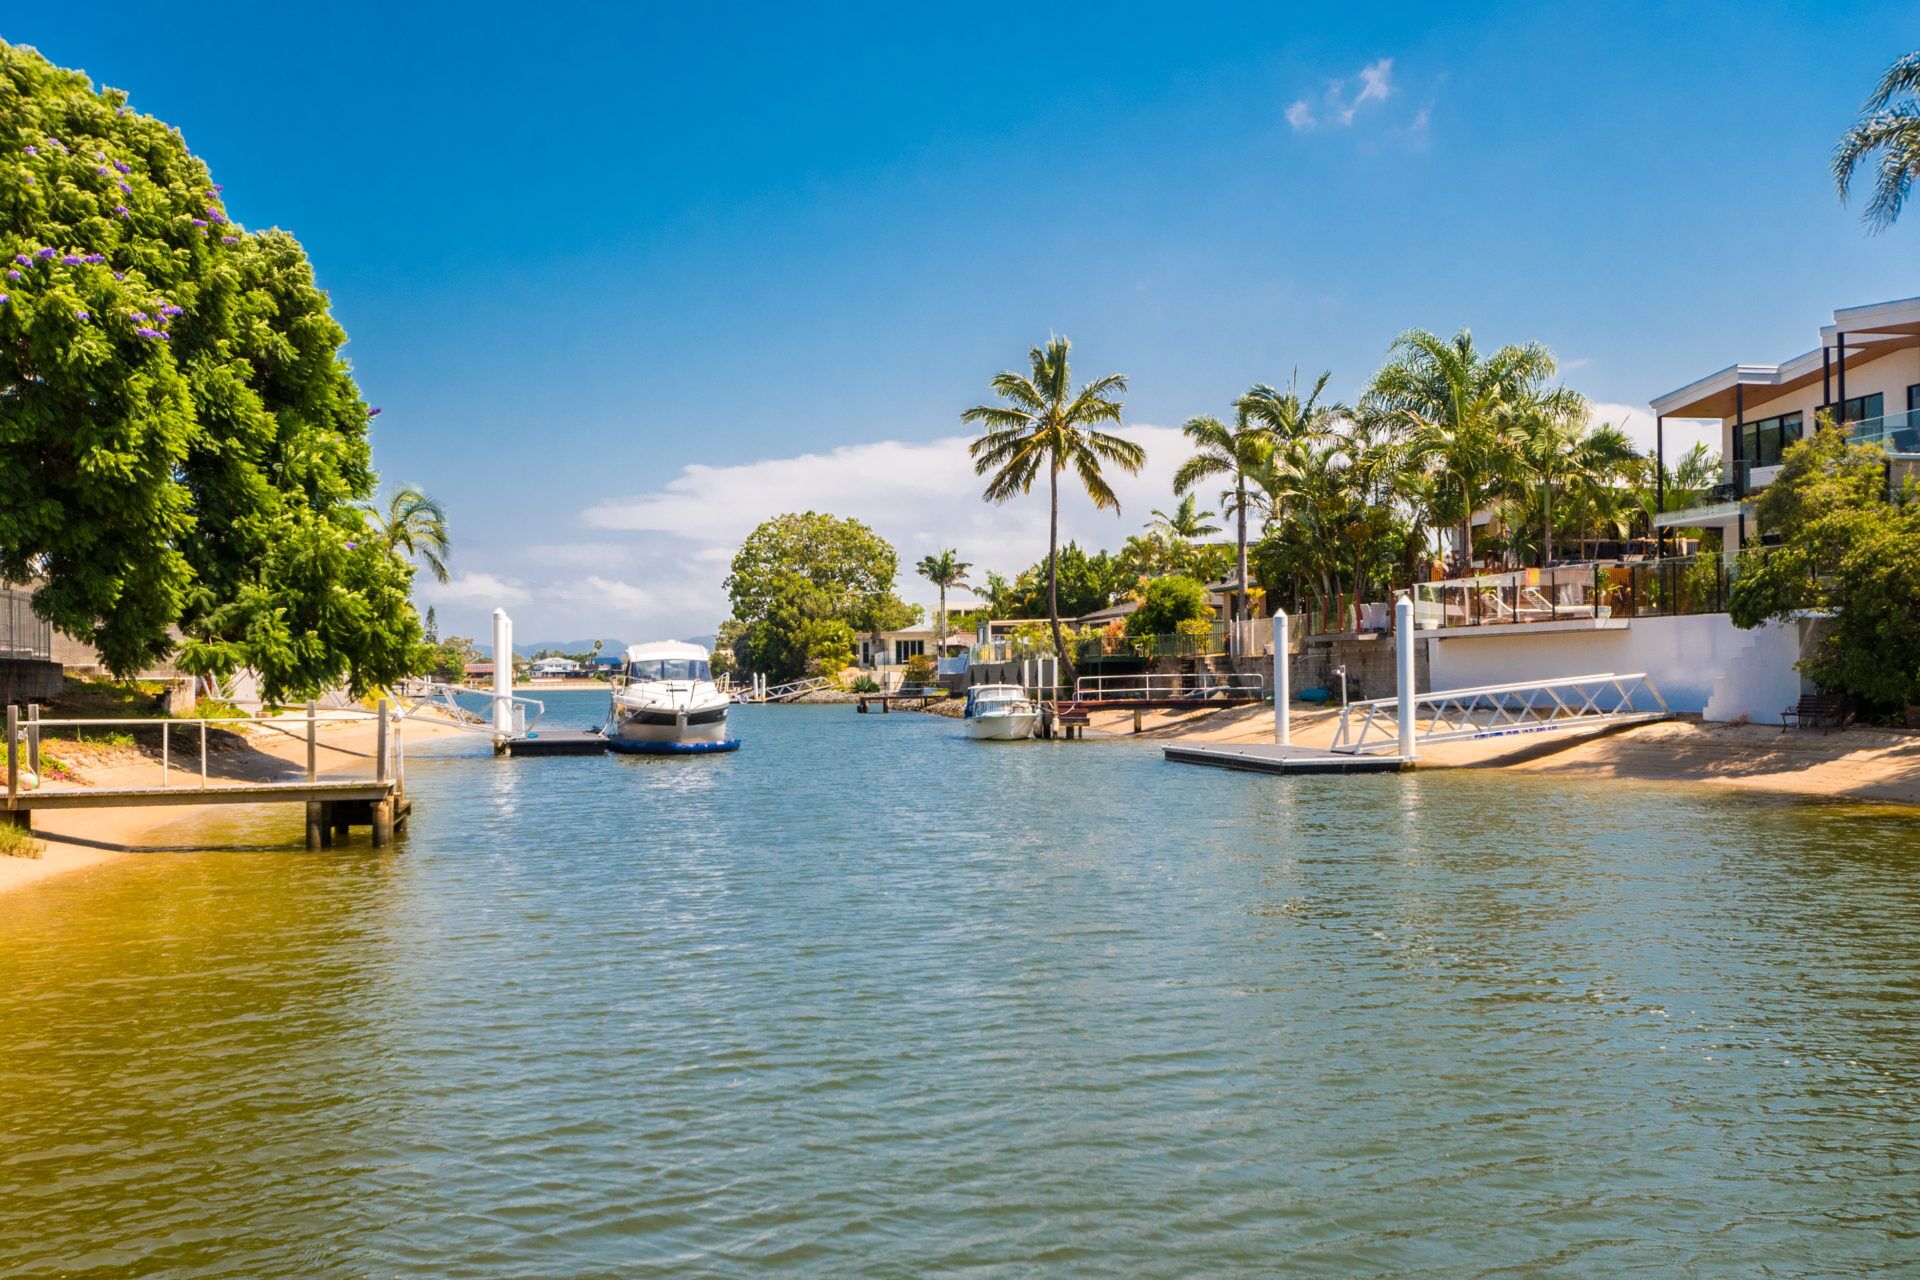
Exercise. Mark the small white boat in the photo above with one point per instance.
(1000, 713)
(665, 700)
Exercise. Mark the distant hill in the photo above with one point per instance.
(705, 642)
(568, 646)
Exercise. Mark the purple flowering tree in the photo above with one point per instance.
(185, 445)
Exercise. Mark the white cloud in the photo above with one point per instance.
(471, 588)
(657, 566)
(1682, 433)
(1300, 116)
(1376, 85)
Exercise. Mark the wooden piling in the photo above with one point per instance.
(382, 823)
(313, 741)
(380, 747)
(13, 753)
(316, 822)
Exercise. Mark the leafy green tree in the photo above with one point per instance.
(1846, 550)
(945, 571)
(1079, 583)
(844, 560)
(430, 629)
(181, 442)
(412, 524)
(797, 573)
(1889, 127)
(1043, 421)
(1169, 602)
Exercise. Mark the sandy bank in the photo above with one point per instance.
(82, 838)
(1880, 765)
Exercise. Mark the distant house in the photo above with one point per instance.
(893, 648)
(557, 669)
(479, 673)
(605, 664)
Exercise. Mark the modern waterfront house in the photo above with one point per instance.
(1667, 617)
(1865, 373)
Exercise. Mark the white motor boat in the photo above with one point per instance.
(665, 700)
(1000, 713)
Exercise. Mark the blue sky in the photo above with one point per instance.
(627, 279)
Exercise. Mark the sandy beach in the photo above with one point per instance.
(1879, 765)
(74, 839)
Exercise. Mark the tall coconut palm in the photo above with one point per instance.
(1459, 413)
(1238, 452)
(944, 571)
(1043, 421)
(414, 525)
(1889, 125)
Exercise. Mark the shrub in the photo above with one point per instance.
(920, 669)
(15, 843)
(1169, 602)
(865, 684)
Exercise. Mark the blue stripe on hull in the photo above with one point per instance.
(672, 748)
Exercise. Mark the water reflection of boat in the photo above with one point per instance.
(665, 700)
(1000, 713)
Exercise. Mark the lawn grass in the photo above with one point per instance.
(15, 843)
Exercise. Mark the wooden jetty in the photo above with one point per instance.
(918, 700)
(333, 806)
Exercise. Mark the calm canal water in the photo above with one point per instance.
(868, 1000)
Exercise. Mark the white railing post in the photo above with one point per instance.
(1403, 639)
(502, 673)
(1282, 682)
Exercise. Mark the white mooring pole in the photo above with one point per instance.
(1406, 693)
(502, 674)
(1282, 682)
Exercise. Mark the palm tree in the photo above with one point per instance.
(944, 570)
(1460, 412)
(1889, 124)
(1042, 420)
(1237, 451)
(1185, 523)
(414, 525)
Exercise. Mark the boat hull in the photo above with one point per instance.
(646, 724)
(1012, 727)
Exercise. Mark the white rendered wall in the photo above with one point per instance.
(1689, 660)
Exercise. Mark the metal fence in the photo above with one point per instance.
(23, 633)
(1668, 588)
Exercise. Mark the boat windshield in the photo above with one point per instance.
(669, 669)
(993, 697)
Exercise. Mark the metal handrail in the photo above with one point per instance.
(389, 754)
(1204, 685)
(1495, 710)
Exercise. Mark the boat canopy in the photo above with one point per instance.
(994, 694)
(667, 660)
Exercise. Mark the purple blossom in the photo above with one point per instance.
(4, 297)
(73, 259)
(100, 169)
(81, 315)
(120, 111)
(140, 315)
(120, 276)
(23, 259)
(13, 275)
(33, 151)
(199, 222)
(217, 188)
(123, 166)
(30, 178)
(44, 254)
(125, 189)
(95, 259)
(150, 333)
(229, 239)
(215, 215)
(353, 546)
(122, 211)
(99, 155)
(170, 310)
(373, 413)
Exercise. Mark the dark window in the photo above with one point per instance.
(1860, 408)
(1761, 442)
(1913, 397)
